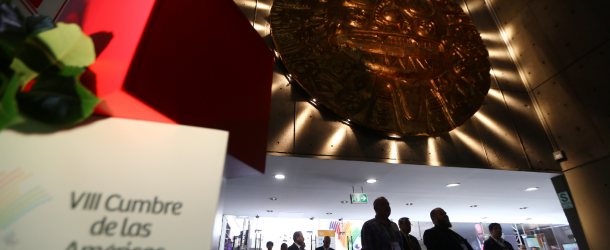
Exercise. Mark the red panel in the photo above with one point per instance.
(190, 62)
(206, 57)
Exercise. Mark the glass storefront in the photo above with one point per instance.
(347, 237)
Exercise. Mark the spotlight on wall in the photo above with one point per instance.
(559, 156)
(280, 176)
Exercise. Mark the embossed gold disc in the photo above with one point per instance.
(411, 67)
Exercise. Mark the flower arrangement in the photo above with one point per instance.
(40, 66)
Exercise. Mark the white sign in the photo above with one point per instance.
(110, 184)
(565, 200)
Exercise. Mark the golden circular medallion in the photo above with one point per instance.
(411, 67)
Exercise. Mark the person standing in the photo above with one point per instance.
(409, 242)
(299, 241)
(326, 245)
(380, 233)
(495, 242)
(440, 237)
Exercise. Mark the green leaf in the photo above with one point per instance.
(9, 113)
(69, 45)
(57, 99)
(38, 23)
(62, 47)
(23, 73)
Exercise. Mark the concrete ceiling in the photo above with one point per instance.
(315, 187)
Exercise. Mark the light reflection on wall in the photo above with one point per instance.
(498, 53)
(264, 6)
(492, 126)
(470, 142)
(394, 152)
(338, 137)
(259, 27)
(302, 117)
(490, 37)
(433, 158)
(496, 94)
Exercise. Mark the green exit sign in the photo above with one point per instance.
(359, 198)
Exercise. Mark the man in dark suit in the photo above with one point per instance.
(440, 237)
(326, 245)
(409, 242)
(495, 242)
(299, 241)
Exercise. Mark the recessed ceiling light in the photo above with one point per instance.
(453, 185)
(329, 213)
(371, 181)
(528, 218)
(280, 176)
(531, 189)
(344, 202)
(523, 208)
(474, 206)
(409, 204)
(269, 211)
(273, 199)
(484, 218)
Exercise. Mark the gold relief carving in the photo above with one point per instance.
(411, 67)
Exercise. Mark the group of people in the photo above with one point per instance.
(299, 243)
(380, 233)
